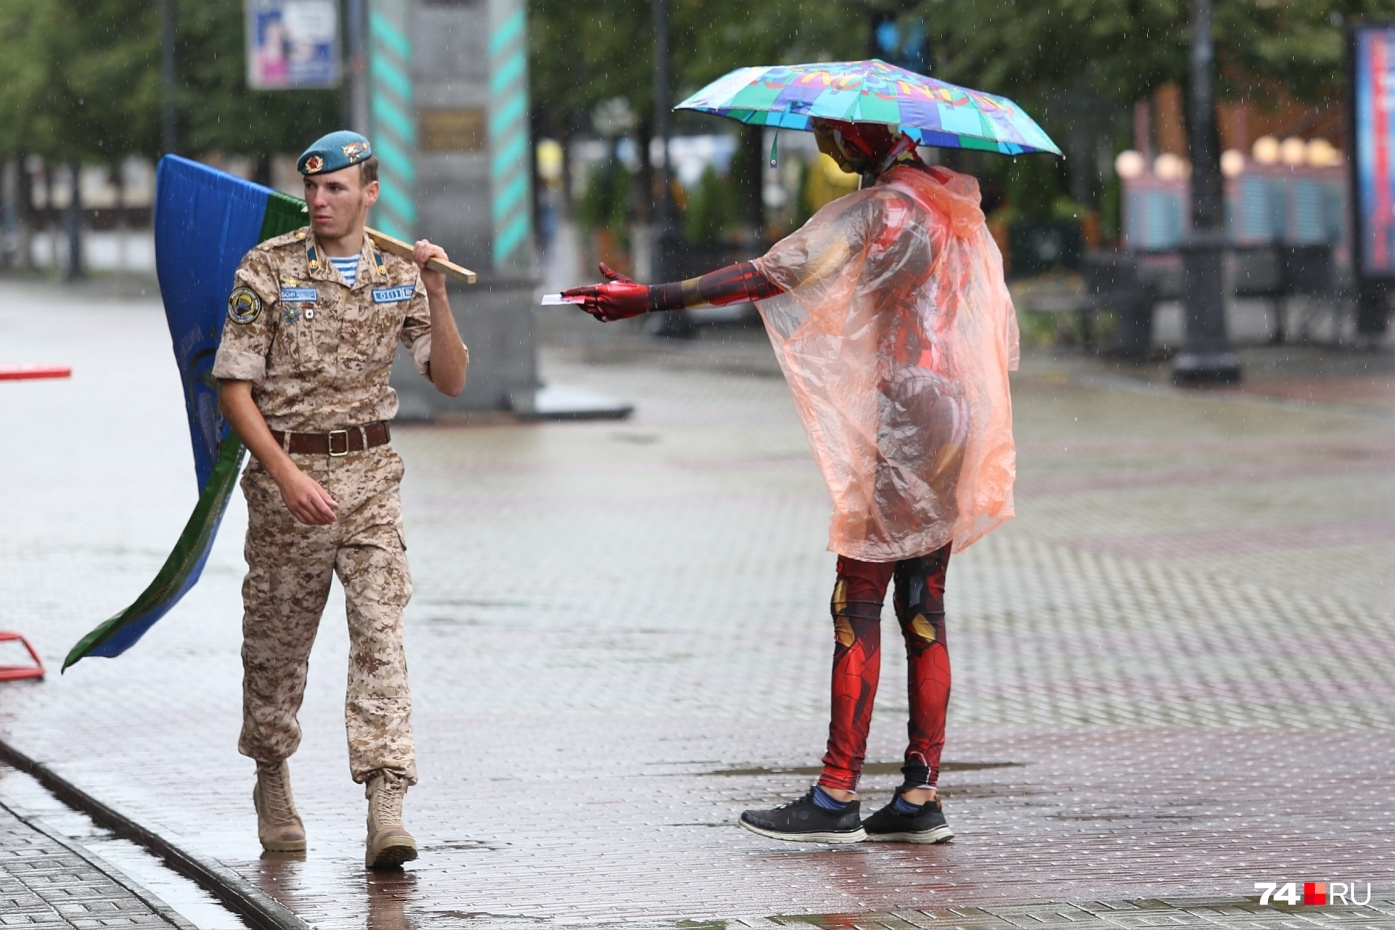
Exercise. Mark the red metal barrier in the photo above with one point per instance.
(18, 373)
(24, 372)
(12, 672)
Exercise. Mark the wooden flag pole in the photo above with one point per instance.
(404, 250)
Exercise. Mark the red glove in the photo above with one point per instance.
(619, 299)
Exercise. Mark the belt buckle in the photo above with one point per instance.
(338, 432)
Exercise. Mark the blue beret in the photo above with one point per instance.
(333, 152)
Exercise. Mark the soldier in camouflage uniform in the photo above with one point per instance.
(314, 320)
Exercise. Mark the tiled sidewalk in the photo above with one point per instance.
(1172, 670)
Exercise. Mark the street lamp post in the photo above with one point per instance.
(665, 242)
(1206, 357)
(167, 111)
(356, 99)
(663, 212)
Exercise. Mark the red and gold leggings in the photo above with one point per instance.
(857, 606)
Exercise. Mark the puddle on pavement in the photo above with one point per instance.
(720, 824)
(466, 845)
(325, 891)
(639, 439)
(186, 898)
(960, 791)
(1178, 809)
(447, 611)
(871, 768)
(486, 919)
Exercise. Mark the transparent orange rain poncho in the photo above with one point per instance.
(896, 334)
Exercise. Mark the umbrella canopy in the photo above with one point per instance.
(931, 112)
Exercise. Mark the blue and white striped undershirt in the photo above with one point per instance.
(348, 268)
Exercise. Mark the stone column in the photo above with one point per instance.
(449, 92)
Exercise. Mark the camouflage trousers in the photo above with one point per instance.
(289, 569)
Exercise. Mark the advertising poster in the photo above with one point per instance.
(1373, 183)
(292, 44)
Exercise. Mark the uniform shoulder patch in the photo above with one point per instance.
(294, 237)
(244, 305)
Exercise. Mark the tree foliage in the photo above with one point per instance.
(82, 79)
(1123, 50)
(78, 78)
(1078, 65)
(217, 111)
(584, 53)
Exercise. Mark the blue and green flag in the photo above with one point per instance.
(205, 221)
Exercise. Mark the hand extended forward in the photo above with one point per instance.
(618, 299)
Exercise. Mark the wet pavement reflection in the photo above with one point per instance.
(619, 641)
(388, 898)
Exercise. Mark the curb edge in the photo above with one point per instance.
(259, 909)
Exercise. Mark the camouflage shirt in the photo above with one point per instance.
(317, 351)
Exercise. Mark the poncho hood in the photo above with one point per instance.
(953, 194)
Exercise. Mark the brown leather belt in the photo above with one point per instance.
(336, 442)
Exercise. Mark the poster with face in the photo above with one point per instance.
(292, 44)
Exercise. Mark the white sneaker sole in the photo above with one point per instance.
(927, 837)
(855, 836)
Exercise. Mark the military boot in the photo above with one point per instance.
(278, 825)
(389, 843)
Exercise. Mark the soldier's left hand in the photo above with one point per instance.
(422, 252)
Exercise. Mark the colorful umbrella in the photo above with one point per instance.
(931, 112)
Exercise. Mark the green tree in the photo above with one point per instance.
(217, 111)
(583, 53)
(80, 92)
(712, 38)
(74, 78)
(23, 75)
(81, 78)
(1078, 65)
(1125, 49)
(81, 82)
(711, 210)
(605, 204)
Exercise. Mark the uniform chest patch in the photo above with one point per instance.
(299, 295)
(244, 305)
(391, 295)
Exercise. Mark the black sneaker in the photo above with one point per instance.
(889, 825)
(804, 821)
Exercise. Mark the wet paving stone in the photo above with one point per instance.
(1172, 669)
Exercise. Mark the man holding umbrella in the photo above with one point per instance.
(892, 323)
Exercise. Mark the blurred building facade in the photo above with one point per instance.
(1286, 177)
